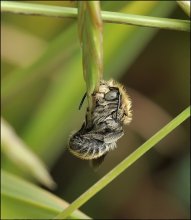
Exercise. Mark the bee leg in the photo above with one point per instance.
(95, 163)
(82, 101)
(118, 105)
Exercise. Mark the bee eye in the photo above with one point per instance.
(111, 95)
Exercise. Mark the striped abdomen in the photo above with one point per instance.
(86, 147)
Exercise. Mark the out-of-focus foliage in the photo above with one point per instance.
(20, 154)
(35, 202)
(42, 85)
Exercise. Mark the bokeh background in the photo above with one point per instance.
(42, 85)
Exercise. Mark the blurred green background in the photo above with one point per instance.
(42, 85)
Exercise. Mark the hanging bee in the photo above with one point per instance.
(112, 110)
(112, 102)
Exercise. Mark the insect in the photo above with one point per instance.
(89, 145)
(112, 102)
(112, 110)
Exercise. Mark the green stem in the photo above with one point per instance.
(104, 181)
(90, 34)
(108, 17)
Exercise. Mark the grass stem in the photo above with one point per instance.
(104, 181)
(108, 17)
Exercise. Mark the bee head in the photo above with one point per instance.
(113, 94)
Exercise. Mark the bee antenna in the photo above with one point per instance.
(82, 101)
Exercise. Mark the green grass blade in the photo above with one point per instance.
(185, 5)
(125, 164)
(21, 155)
(146, 21)
(110, 17)
(35, 202)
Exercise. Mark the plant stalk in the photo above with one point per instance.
(122, 166)
(108, 17)
(90, 35)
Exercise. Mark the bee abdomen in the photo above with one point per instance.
(88, 148)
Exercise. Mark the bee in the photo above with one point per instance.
(112, 111)
(112, 103)
(89, 145)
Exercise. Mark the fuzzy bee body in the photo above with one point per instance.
(89, 145)
(112, 110)
(113, 98)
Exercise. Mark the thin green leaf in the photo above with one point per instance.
(17, 151)
(35, 203)
(185, 5)
(121, 167)
(110, 17)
